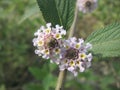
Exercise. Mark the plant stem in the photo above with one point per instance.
(73, 28)
(62, 74)
(61, 80)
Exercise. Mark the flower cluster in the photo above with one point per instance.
(71, 54)
(48, 42)
(86, 5)
(75, 56)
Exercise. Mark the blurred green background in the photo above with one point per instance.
(21, 69)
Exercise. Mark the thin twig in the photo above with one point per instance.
(61, 80)
(73, 28)
(62, 74)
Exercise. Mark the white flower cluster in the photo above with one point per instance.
(86, 5)
(75, 56)
(71, 54)
(48, 42)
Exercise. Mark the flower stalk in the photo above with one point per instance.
(62, 74)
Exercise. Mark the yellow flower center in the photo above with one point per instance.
(58, 36)
(82, 56)
(57, 50)
(72, 63)
(46, 51)
(48, 30)
(77, 45)
(40, 43)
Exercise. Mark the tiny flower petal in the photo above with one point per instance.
(89, 56)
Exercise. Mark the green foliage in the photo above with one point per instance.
(38, 73)
(58, 11)
(2, 87)
(17, 53)
(29, 12)
(106, 41)
(44, 74)
(33, 86)
(49, 82)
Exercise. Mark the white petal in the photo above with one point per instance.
(82, 69)
(89, 56)
(81, 40)
(88, 46)
(71, 69)
(48, 25)
(37, 51)
(75, 73)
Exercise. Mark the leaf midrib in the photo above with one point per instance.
(58, 13)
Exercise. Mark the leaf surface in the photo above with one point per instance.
(106, 41)
(58, 11)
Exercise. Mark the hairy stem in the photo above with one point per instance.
(62, 74)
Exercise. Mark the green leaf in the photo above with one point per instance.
(38, 73)
(33, 86)
(58, 11)
(2, 87)
(49, 82)
(106, 41)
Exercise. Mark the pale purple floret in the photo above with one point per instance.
(86, 6)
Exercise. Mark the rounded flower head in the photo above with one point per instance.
(86, 5)
(75, 56)
(48, 42)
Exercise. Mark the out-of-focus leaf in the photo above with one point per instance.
(33, 86)
(38, 73)
(49, 81)
(29, 13)
(2, 87)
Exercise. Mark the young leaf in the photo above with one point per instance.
(106, 41)
(38, 73)
(58, 11)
